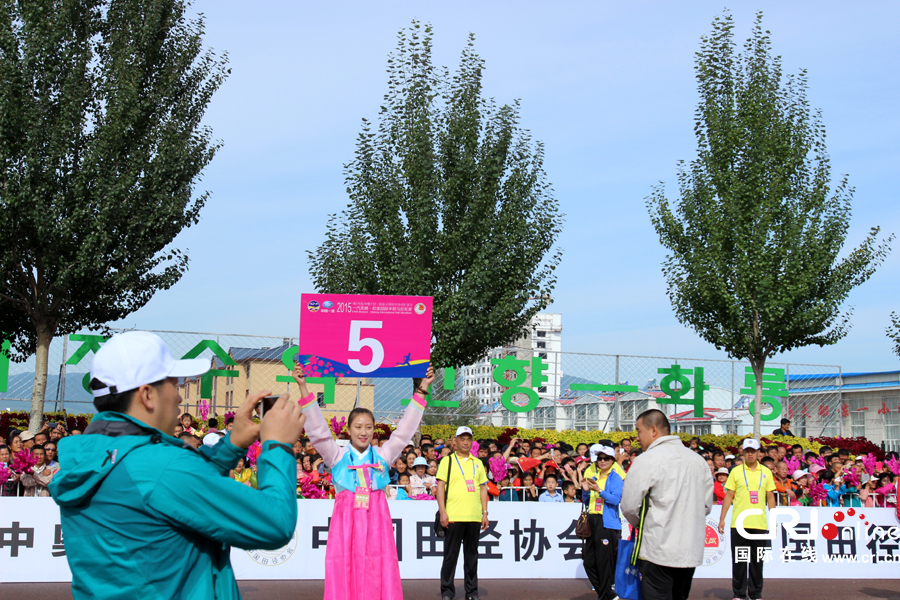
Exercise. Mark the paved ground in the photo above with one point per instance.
(536, 589)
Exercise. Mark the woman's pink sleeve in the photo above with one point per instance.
(318, 432)
(405, 431)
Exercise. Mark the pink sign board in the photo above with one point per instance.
(344, 335)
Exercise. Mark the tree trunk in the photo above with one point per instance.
(758, 366)
(44, 337)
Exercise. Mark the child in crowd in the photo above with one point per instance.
(551, 495)
(404, 489)
(506, 493)
(361, 556)
(568, 491)
(719, 485)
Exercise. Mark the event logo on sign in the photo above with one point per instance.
(271, 558)
(365, 336)
(713, 546)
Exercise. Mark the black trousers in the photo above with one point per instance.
(750, 560)
(665, 583)
(600, 552)
(466, 534)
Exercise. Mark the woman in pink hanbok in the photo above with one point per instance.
(361, 556)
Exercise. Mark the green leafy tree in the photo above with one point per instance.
(756, 236)
(101, 144)
(893, 332)
(466, 414)
(448, 198)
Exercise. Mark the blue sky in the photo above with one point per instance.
(608, 88)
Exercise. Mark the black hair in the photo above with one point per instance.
(212, 422)
(184, 435)
(229, 420)
(718, 453)
(843, 452)
(119, 402)
(795, 446)
(785, 421)
(826, 476)
(566, 485)
(359, 411)
(655, 418)
(403, 474)
(626, 464)
(551, 476)
(37, 447)
(823, 449)
(767, 459)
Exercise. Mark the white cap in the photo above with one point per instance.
(608, 451)
(750, 443)
(594, 451)
(463, 430)
(722, 471)
(419, 462)
(211, 439)
(798, 475)
(729, 457)
(135, 358)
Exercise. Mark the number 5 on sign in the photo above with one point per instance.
(357, 343)
(345, 335)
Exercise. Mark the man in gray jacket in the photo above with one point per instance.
(678, 487)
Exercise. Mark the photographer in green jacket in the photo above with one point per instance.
(145, 515)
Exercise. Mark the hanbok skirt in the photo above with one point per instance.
(361, 555)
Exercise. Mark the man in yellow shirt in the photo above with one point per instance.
(463, 511)
(749, 486)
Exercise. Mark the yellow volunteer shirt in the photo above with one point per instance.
(595, 507)
(462, 505)
(760, 480)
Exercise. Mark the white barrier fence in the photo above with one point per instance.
(524, 541)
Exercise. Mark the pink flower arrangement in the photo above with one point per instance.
(310, 492)
(253, 452)
(792, 464)
(203, 411)
(229, 415)
(851, 477)
(422, 497)
(817, 493)
(337, 427)
(818, 460)
(498, 467)
(475, 447)
(5, 474)
(24, 461)
(869, 463)
(894, 465)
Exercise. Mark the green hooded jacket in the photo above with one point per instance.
(146, 516)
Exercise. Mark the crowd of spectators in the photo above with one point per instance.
(522, 470)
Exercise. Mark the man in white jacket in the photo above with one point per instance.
(678, 488)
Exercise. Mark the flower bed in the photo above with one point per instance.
(725, 443)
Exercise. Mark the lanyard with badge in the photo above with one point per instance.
(364, 479)
(598, 501)
(470, 483)
(754, 495)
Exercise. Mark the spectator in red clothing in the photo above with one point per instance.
(719, 485)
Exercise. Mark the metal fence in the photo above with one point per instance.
(569, 398)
